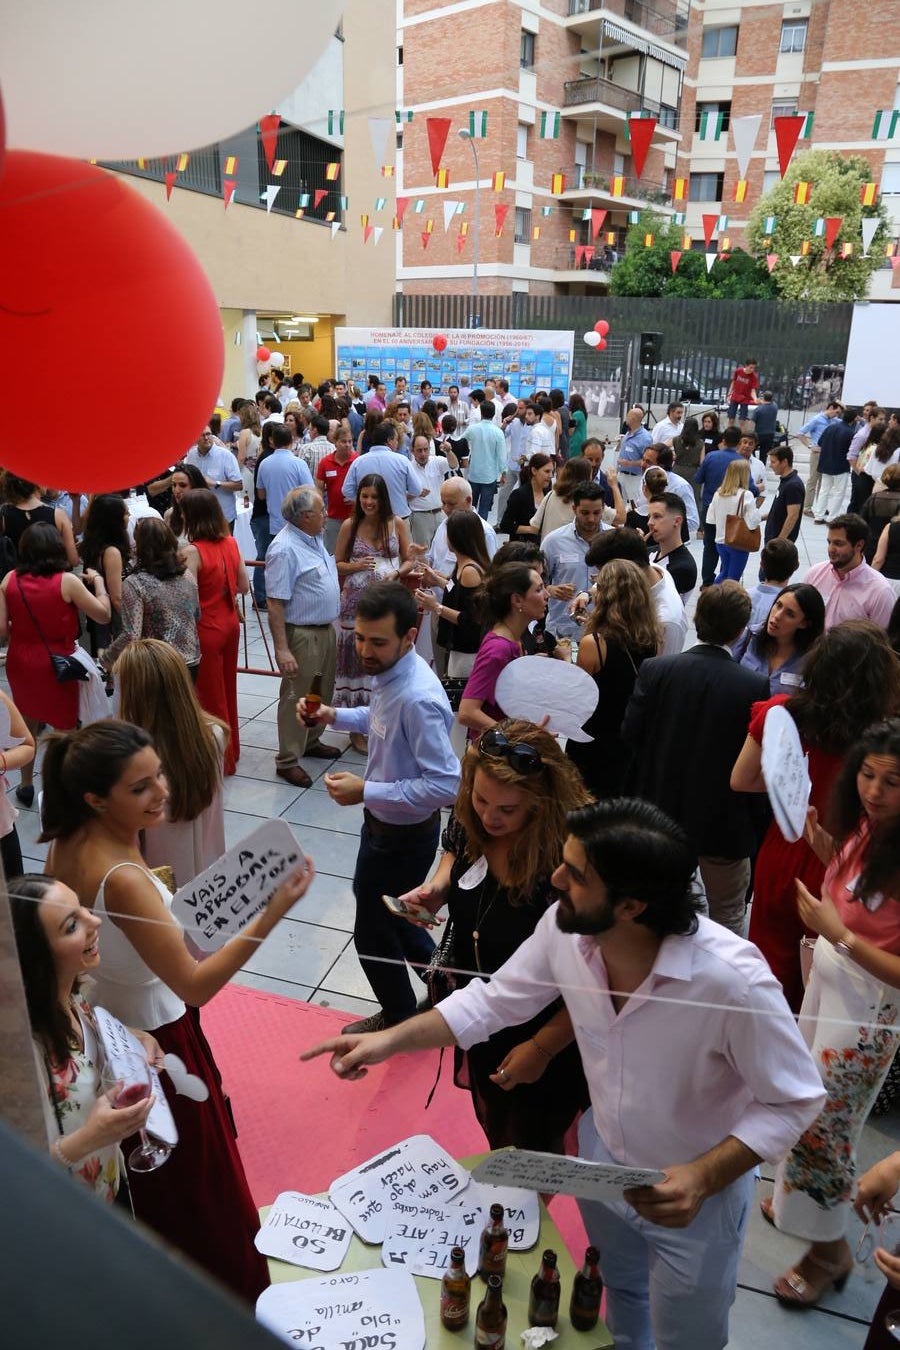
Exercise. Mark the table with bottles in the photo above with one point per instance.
(521, 1267)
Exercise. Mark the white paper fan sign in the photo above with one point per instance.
(532, 686)
(185, 1084)
(366, 1308)
(786, 772)
(421, 1236)
(116, 1039)
(415, 1169)
(523, 1215)
(305, 1231)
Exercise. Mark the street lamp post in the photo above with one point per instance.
(474, 317)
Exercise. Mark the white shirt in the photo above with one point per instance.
(461, 411)
(273, 417)
(539, 440)
(670, 612)
(433, 473)
(757, 475)
(720, 1056)
(439, 556)
(516, 434)
(665, 431)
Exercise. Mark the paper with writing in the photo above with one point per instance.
(415, 1169)
(550, 1173)
(786, 772)
(368, 1309)
(421, 1236)
(531, 687)
(305, 1231)
(229, 894)
(523, 1211)
(117, 1039)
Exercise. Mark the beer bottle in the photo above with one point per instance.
(584, 1307)
(490, 1320)
(494, 1245)
(543, 1302)
(456, 1289)
(313, 701)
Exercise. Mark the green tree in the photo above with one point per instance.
(822, 274)
(648, 271)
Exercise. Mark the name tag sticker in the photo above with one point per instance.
(377, 727)
(331, 473)
(474, 876)
(790, 677)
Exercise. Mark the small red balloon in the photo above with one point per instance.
(439, 343)
(89, 250)
(601, 345)
(262, 353)
(601, 327)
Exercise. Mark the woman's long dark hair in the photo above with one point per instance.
(105, 526)
(504, 582)
(49, 1021)
(852, 679)
(813, 607)
(196, 480)
(889, 442)
(385, 514)
(881, 866)
(465, 535)
(536, 462)
(42, 552)
(91, 759)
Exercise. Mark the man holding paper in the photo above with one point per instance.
(693, 1061)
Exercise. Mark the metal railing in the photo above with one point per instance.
(666, 22)
(640, 189)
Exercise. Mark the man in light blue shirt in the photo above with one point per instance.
(221, 471)
(632, 445)
(303, 598)
(565, 552)
(277, 474)
(411, 773)
(401, 476)
(810, 434)
(487, 459)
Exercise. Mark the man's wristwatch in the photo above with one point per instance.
(845, 944)
(216, 484)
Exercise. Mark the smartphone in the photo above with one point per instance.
(404, 911)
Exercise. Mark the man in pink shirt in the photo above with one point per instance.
(850, 588)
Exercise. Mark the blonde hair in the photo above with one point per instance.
(624, 608)
(554, 790)
(422, 425)
(156, 693)
(737, 478)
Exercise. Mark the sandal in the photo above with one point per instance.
(794, 1291)
(767, 1210)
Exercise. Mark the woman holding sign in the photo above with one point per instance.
(103, 786)
(503, 841)
(850, 1009)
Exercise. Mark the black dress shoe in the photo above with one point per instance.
(25, 795)
(296, 776)
(320, 751)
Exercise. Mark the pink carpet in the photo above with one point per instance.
(299, 1126)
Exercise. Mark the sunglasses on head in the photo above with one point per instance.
(523, 758)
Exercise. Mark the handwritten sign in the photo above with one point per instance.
(305, 1231)
(786, 772)
(530, 687)
(421, 1236)
(550, 1173)
(229, 894)
(523, 1212)
(367, 1310)
(115, 1041)
(415, 1169)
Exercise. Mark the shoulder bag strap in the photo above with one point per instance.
(31, 615)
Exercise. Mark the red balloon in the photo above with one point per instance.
(601, 327)
(439, 343)
(262, 353)
(601, 345)
(103, 279)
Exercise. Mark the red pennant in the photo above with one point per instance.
(402, 204)
(319, 197)
(268, 134)
(895, 261)
(787, 134)
(499, 217)
(367, 233)
(675, 259)
(580, 250)
(589, 252)
(425, 238)
(597, 219)
(460, 241)
(710, 225)
(228, 187)
(438, 129)
(832, 225)
(771, 260)
(641, 130)
(170, 182)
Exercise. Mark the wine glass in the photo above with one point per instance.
(128, 1083)
(892, 1323)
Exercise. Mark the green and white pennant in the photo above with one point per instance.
(548, 127)
(634, 217)
(769, 224)
(403, 115)
(807, 129)
(419, 205)
(885, 125)
(335, 121)
(711, 125)
(344, 203)
(380, 203)
(546, 210)
(819, 227)
(478, 125)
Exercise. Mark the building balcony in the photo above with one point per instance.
(585, 187)
(665, 21)
(632, 25)
(607, 105)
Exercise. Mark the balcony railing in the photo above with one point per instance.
(595, 89)
(639, 189)
(665, 23)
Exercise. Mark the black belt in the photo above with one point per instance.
(310, 625)
(388, 831)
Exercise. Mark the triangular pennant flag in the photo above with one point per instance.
(740, 190)
(868, 194)
(648, 241)
(335, 121)
(460, 242)
(710, 225)
(771, 260)
(806, 129)
(589, 252)
(268, 134)
(557, 183)
(769, 224)
(335, 226)
(802, 192)
(170, 183)
(617, 185)
(183, 161)
(379, 231)
(438, 129)
(425, 237)
(597, 219)
(379, 130)
(675, 259)
(271, 192)
(364, 219)
(229, 167)
(498, 182)
(641, 131)
(380, 203)
(228, 187)
(885, 125)
(868, 228)
(368, 231)
(403, 115)
(710, 259)
(679, 192)
(442, 178)
(478, 125)
(402, 203)
(832, 225)
(580, 250)
(279, 167)
(387, 170)
(548, 128)
(331, 172)
(744, 131)
(711, 125)
(500, 211)
(546, 210)
(318, 197)
(449, 213)
(787, 134)
(795, 258)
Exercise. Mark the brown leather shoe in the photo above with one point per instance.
(296, 776)
(320, 751)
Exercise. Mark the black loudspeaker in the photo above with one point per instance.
(651, 348)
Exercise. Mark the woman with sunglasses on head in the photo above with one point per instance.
(502, 843)
(514, 598)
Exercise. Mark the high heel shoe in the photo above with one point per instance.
(25, 794)
(794, 1291)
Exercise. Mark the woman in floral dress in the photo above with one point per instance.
(851, 1008)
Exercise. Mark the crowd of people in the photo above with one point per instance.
(597, 882)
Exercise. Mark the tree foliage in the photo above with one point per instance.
(836, 181)
(648, 271)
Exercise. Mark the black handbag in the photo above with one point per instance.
(438, 975)
(65, 668)
(454, 685)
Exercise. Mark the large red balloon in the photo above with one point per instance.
(103, 287)
(263, 354)
(601, 327)
(439, 343)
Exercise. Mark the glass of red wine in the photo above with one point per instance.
(129, 1082)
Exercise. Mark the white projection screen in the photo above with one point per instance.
(873, 355)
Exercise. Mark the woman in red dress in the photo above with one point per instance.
(852, 679)
(39, 605)
(218, 568)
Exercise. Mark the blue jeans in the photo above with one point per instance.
(666, 1288)
(260, 528)
(391, 865)
(483, 497)
(732, 562)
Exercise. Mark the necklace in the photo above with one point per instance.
(512, 635)
(481, 914)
